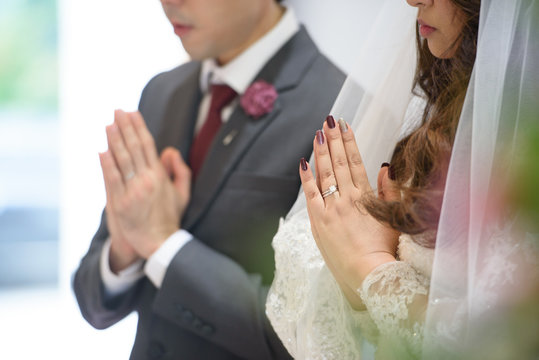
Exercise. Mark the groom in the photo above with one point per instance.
(199, 286)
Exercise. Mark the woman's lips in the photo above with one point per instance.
(182, 30)
(424, 29)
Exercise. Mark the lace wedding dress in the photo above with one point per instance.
(312, 317)
(315, 321)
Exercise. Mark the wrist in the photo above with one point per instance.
(362, 268)
(119, 260)
(151, 248)
(156, 243)
(353, 298)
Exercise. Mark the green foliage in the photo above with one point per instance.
(28, 55)
(526, 187)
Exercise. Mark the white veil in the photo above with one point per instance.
(483, 260)
(478, 257)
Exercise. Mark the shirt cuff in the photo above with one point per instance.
(157, 264)
(115, 284)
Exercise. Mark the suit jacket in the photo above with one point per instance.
(212, 301)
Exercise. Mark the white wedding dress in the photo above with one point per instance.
(312, 317)
(315, 321)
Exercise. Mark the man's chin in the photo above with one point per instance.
(197, 54)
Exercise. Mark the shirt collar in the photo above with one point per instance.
(241, 71)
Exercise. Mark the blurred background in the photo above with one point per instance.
(64, 67)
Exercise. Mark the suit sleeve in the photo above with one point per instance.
(218, 301)
(99, 311)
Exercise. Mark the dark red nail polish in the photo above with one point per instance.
(320, 137)
(391, 172)
(384, 164)
(331, 121)
(303, 164)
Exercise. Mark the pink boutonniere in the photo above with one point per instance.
(258, 99)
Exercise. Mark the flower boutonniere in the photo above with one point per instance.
(258, 99)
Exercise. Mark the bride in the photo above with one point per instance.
(421, 269)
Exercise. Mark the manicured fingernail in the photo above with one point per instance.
(343, 125)
(331, 121)
(391, 172)
(385, 164)
(303, 164)
(320, 137)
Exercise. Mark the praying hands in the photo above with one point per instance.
(352, 242)
(146, 194)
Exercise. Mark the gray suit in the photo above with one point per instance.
(212, 301)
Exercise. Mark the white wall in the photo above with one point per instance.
(339, 27)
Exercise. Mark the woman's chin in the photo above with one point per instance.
(441, 52)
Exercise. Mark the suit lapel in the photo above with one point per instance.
(181, 114)
(235, 137)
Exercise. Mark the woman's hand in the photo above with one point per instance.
(351, 241)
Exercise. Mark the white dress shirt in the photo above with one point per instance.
(238, 74)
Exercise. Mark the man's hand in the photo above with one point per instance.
(146, 195)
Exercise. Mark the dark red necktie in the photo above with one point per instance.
(221, 96)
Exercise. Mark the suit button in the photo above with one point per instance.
(156, 350)
(207, 330)
(187, 316)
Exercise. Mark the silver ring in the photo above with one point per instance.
(330, 191)
(129, 176)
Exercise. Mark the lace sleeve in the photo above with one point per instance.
(305, 304)
(396, 297)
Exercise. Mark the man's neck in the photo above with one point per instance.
(275, 12)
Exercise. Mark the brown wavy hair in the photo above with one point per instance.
(420, 160)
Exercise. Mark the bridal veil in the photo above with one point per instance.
(486, 258)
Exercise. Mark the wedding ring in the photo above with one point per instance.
(129, 176)
(330, 191)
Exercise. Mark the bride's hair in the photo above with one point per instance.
(420, 160)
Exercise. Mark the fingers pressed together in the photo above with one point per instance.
(131, 149)
(146, 194)
(351, 241)
(339, 167)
